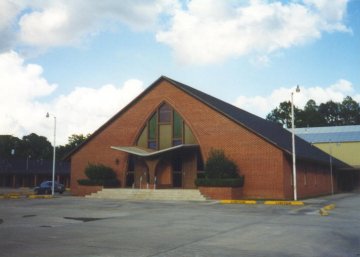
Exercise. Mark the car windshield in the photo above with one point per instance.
(45, 184)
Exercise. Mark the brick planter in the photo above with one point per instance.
(222, 193)
(86, 190)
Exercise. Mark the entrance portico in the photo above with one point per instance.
(173, 167)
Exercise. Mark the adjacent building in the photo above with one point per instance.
(341, 142)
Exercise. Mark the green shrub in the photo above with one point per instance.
(220, 182)
(99, 172)
(220, 171)
(99, 175)
(104, 183)
(218, 166)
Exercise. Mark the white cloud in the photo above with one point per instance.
(22, 108)
(331, 13)
(53, 22)
(8, 11)
(210, 31)
(85, 109)
(66, 22)
(262, 105)
(203, 32)
(21, 85)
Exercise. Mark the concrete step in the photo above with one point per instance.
(149, 194)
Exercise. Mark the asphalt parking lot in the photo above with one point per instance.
(72, 226)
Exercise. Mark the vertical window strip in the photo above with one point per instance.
(178, 129)
(178, 126)
(153, 127)
(165, 113)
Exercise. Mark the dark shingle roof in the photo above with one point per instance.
(270, 131)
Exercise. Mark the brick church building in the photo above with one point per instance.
(163, 137)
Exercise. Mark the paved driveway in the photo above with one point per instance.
(71, 226)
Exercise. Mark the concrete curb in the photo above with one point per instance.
(325, 210)
(238, 202)
(10, 196)
(28, 196)
(40, 197)
(292, 203)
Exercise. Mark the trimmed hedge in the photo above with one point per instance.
(99, 175)
(105, 183)
(220, 182)
(99, 172)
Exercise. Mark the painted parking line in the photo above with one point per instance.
(21, 196)
(40, 196)
(238, 201)
(10, 196)
(325, 210)
(294, 203)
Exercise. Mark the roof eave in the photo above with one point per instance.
(101, 128)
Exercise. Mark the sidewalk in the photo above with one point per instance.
(323, 200)
(19, 190)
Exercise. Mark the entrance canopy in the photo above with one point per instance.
(150, 152)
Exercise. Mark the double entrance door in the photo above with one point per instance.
(176, 175)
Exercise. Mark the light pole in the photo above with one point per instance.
(331, 169)
(54, 152)
(27, 162)
(293, 141)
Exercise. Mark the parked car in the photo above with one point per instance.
(46, 187)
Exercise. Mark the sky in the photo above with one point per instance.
(83, 61)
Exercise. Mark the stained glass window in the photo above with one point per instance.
(165, 113)
(152, 127)
(152, 132)
(178, 126)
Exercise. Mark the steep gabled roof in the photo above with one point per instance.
(270, 131)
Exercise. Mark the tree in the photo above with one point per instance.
(331, 111)
(350, 111)
(311, 115)
(326, 114)
(282, 115)
(73, 142)
(38, 147)
(9, 145)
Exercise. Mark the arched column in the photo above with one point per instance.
(152, 163)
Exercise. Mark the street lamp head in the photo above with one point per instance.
(47, 115)
(297, 89)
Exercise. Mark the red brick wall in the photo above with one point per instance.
(87, 190)
(260, 162)
(313, 179)
(222, 193)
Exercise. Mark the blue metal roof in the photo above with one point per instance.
(330, 134)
